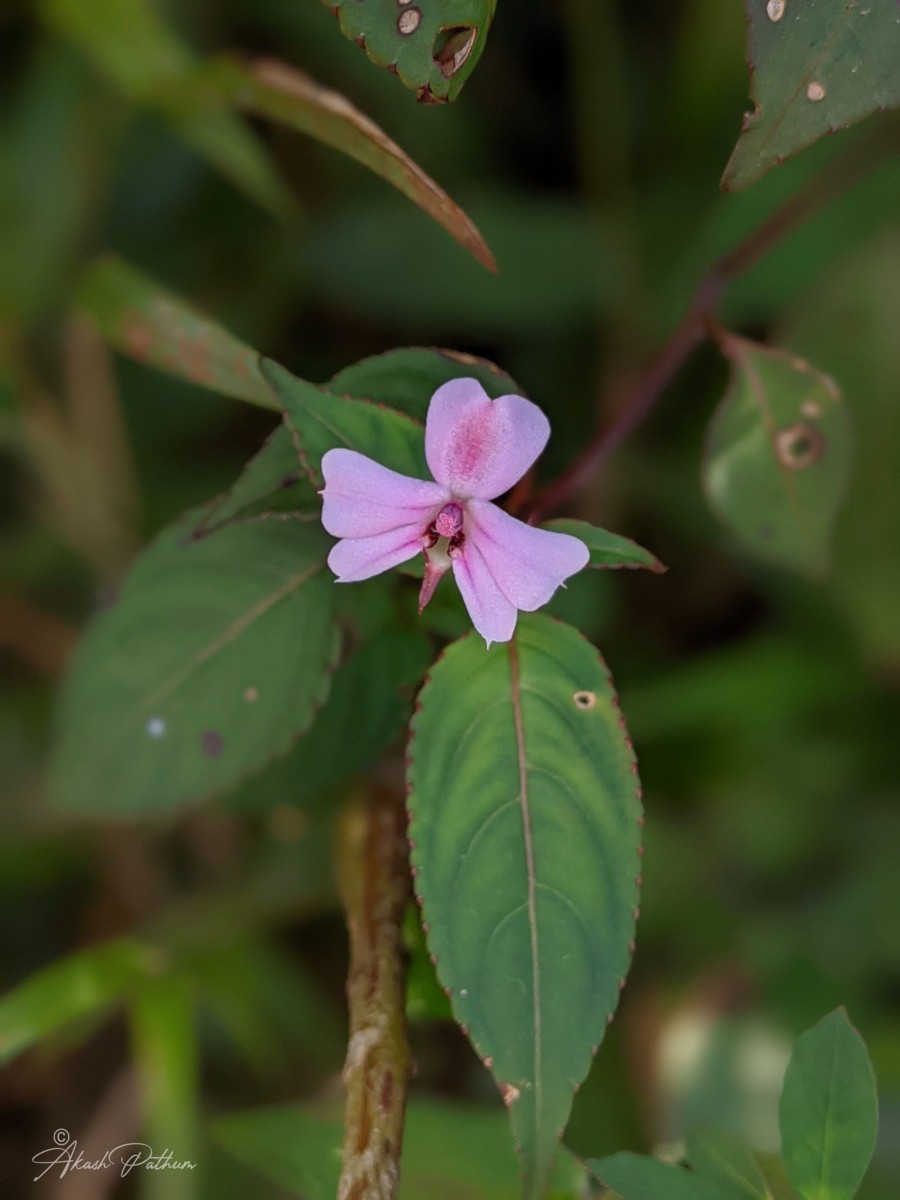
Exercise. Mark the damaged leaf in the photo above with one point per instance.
(431, 45)
(816, 66)
(777, 458)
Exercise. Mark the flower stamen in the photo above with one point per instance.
(449, 520)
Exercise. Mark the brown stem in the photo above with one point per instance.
(649, 388)
(374, 881)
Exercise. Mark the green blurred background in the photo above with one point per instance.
(588, 147)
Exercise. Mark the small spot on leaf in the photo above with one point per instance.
(510, 1093)
(585, 700)
(156, 727)
(251, 695)
(409, 20)
(815, 91)
(211, 743)
(775, 9)
(799, 446)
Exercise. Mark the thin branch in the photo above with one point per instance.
(374, 880)
(649, 388)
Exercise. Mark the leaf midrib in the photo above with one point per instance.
(518, 720)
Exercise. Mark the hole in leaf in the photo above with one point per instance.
(585, 700)
(799, 446)
(452, 47)
(409, 20)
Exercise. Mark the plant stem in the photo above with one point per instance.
(649, 388)
(374, 882)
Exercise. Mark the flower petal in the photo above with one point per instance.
(480, 447)
(353, 559)
(528, 564)
(362, 498)
(492, 614)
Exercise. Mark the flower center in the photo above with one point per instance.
(449, 520)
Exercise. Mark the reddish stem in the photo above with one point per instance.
(649, 388)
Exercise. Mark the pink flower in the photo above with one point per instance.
(476, 449)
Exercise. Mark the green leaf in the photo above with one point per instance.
(426, 1000)
(407, 379)
(166, 1055)
(364, 712)
(322, 421)
(431, 45)
(216, 655)
(131, 44)
(51, 133)
(266, 1000)
(525, 815)
(77, 987)
(449, 1151)
(860, 296)
(777, 457)
(144, 321)
(608, 550)
(829, 1111)
(272, 89)
(273, 481)
(815, 66)
(635, 1177)
(725, 1159)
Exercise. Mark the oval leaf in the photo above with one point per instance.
(431, 45)
(636, 1177)
(525, 818)
(407, 379)
(609, 551)
(366, 710)
(213, 659)
(725, 1159)
(829, 1111)
(816, 66)
(777, 455)
(274, 480)
(322, 421)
